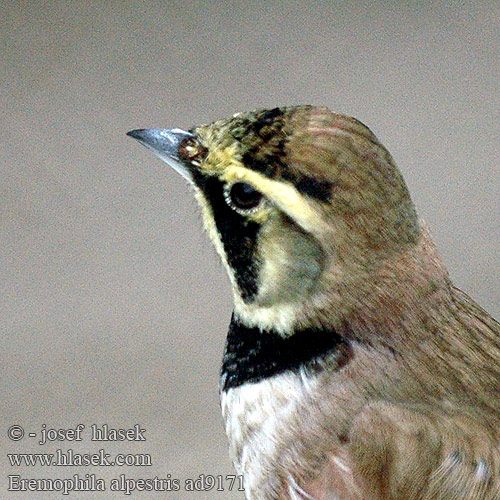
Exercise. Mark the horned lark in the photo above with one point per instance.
(353, 368)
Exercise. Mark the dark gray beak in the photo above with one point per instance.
(165, 144)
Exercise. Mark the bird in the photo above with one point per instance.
(353, 368)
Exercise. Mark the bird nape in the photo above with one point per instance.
(353, 368)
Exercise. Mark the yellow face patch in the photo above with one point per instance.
(225, 162)
(219, 159)
(281, 194)
(226, 165)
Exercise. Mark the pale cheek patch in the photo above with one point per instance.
(280, 318)
(292, 263)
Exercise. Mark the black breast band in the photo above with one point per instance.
(252, 355)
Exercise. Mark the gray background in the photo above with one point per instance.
(113, 305)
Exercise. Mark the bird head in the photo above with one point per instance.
(303, 205)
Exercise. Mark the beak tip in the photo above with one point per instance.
(136, 134)
(164, 143)
(161, 141)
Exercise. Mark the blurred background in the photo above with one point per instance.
(114, 307)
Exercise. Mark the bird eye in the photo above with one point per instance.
(242, 197)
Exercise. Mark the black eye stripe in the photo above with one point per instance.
(237, 233)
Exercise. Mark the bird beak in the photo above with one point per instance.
(165, 144)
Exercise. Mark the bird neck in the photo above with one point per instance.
(386, 307)
(410, 288)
